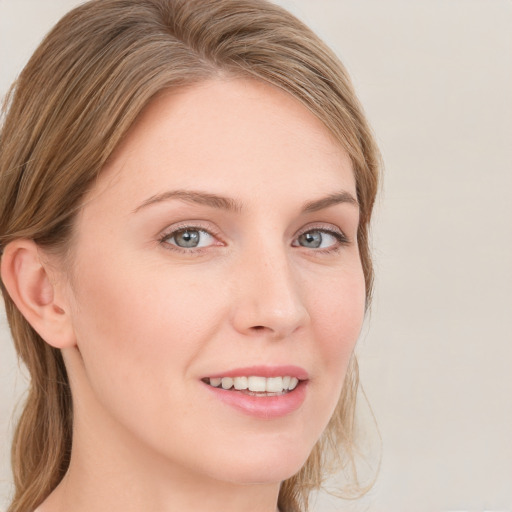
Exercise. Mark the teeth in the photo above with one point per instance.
(241, 383)
(274, 385)
(256, 384)
(216, 382)
(227, 382)
(293, 383)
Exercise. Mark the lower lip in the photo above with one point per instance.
(264, 407)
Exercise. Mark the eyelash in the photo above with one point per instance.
(177, 229)
(341, 238)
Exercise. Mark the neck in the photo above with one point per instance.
(122, 493)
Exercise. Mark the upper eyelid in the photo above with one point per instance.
(193, 225)
(322, 227)
(173, 230)
(215, 232)
(186, 228)
(199, 226)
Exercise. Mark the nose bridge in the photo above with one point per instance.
(269, 297)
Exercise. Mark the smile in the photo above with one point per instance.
(264, 392)
(255, 385)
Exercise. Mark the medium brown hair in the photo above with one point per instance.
(71, 106)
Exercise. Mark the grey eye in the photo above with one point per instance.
(311, 239)
(190, 238)
(318, 239)
(187, 238)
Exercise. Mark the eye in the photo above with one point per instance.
(189, 238)
(320, 239)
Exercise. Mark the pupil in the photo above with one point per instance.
(311, 239)
(187, 238)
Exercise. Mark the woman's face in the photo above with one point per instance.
(219, 243)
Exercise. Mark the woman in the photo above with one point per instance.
(187, 188)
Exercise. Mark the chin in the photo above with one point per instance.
(259, 474)
(263, 464)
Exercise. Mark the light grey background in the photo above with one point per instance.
(435, 77)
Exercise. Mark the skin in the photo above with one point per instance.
(148, 321)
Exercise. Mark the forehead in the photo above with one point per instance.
(237, 134)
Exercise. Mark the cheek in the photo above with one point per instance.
(134, 305)
(338, 310)
(139, 330)
(338, 314)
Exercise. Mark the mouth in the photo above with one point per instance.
(263, 392)
(255, 385)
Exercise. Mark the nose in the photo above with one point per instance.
(268, 299)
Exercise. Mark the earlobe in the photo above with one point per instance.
(28, 281)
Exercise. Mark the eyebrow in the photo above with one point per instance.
(233, 205)
(191, 196)
(330, 200)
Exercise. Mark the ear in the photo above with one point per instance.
(28, 280)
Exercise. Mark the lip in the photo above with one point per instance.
(264, 371)
(263, 407)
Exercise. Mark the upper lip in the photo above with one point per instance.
(263, 371)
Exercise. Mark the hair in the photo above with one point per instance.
(74, 102)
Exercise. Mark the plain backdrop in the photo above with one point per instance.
(435, 77)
